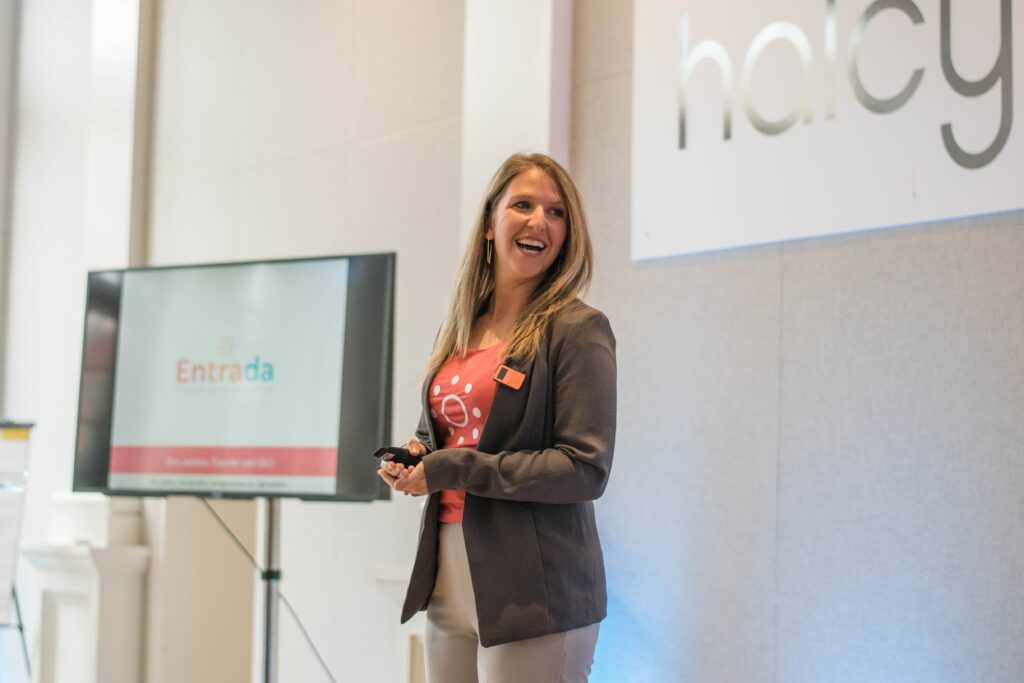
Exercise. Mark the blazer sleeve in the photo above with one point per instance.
(576, 466)
(423, 433)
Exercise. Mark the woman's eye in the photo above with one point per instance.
(558, 213)
(522, 204)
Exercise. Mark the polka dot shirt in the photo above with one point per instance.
(460, 396)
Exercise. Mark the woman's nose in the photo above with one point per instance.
(537, 217)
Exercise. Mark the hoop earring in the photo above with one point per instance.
(489, 242)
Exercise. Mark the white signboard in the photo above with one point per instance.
(758, 122)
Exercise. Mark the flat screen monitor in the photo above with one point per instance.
(237, 380)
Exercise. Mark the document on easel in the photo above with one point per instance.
(14, 442)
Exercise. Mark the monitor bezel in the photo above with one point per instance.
(373, 374)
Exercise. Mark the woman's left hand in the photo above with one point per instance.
(412, 481)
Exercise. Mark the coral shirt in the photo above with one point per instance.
(461, 394)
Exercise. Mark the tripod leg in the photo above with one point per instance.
(21, 632)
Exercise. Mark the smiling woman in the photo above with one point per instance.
(529, 230)
(516, 436)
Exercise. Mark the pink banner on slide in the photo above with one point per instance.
(249, 460)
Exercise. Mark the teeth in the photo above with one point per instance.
(530, 243)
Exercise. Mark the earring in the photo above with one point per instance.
(489, 242)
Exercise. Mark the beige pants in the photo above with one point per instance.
(454, 654)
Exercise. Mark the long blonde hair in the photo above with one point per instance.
(566, 279)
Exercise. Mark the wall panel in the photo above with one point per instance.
(901, 470)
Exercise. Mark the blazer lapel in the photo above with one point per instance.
(505, 410)
(425, 401)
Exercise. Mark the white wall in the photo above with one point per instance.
(74, 178)
(310, 128)
(47, 266)
(527, 43)
(8, 61)
(199, 617)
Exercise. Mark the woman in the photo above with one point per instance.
(516, 437)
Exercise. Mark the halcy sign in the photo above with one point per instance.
(765, 121)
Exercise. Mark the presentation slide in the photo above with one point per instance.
(228, 379)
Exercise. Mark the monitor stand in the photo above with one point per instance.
(270, 576)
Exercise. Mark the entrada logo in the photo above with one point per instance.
(190, 372)
(1001, 74)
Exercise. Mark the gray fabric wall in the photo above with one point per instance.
(820, 466)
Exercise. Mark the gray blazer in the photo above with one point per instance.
(544, 454)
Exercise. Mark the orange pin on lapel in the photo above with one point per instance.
(513, 379)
